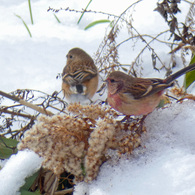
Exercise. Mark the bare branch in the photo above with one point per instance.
(23, 102)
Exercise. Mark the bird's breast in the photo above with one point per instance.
(114, 100)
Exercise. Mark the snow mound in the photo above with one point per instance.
(17, 168)
(163, 165)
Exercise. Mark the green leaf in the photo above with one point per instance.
(95, 23)
(112, 23)
(24, 25)
(29, 182)
(84, 12)
(9, 141)
(161, 103)
(26, 192)
(57, 18)
(7, 147)
(30, 10)
(190, 76)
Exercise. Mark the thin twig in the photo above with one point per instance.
(119, 17)
(25, 103)
(63, 192)
(190, 2)
(152, 37)
(16, 113)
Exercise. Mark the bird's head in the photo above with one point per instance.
(115, 82)
(76, 55)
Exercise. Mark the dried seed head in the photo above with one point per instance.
(78, 143)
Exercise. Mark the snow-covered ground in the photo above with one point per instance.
(18, 167)
(165, 165)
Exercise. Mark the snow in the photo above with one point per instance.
(165, 163)
(17, 168)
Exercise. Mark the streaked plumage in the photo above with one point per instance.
(138, 96)
(80, 75)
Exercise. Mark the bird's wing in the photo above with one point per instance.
(78, 76)
(141, 88)
(82, 76)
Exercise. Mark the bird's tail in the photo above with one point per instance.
(174, 76)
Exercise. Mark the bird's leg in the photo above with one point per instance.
(127, 118)
(91, 102)
(141, 123)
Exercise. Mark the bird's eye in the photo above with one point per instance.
(69, 56)
(112, 80)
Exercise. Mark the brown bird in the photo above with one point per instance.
(79, 76)
(138, 96)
